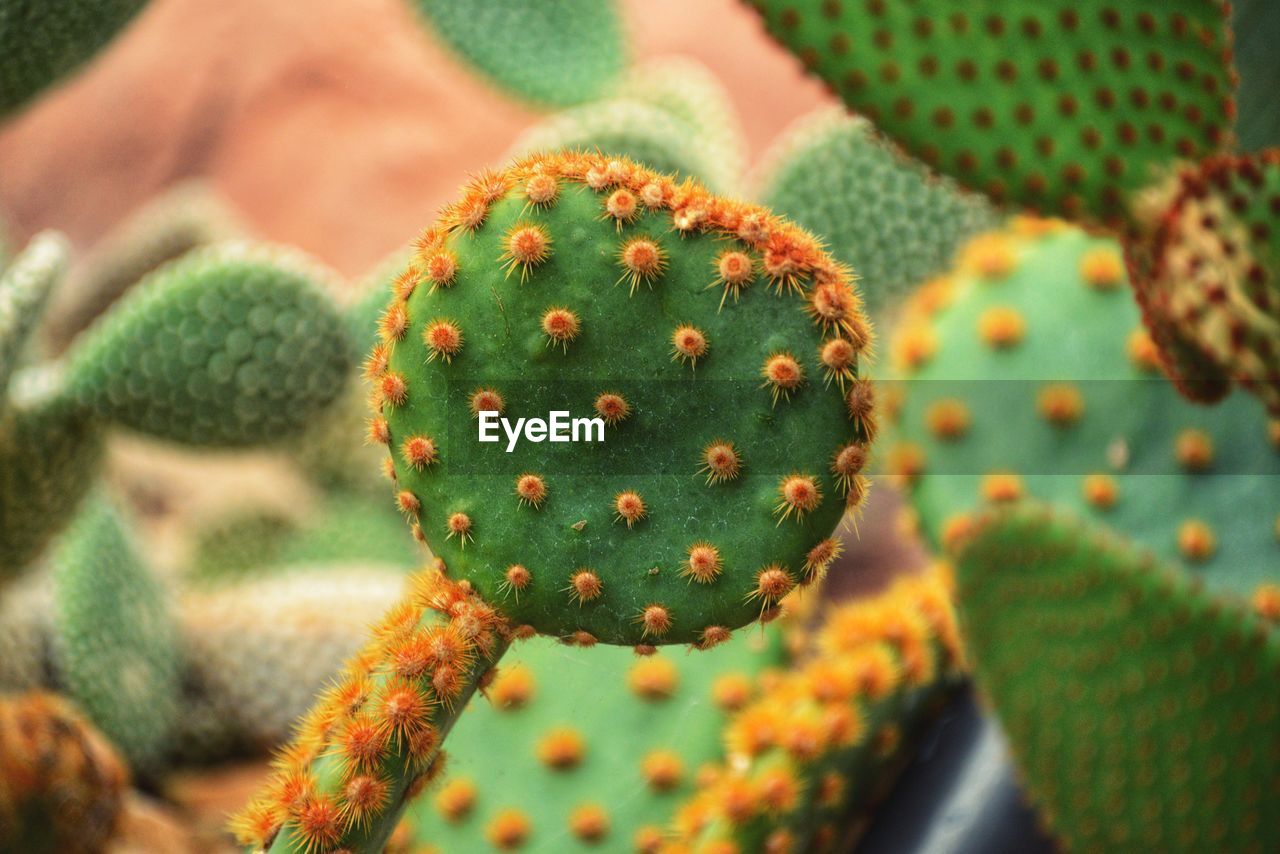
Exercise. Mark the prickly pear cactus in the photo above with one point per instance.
(611, 742)
(712, 340)
(879, 211)
(232, 345)
(61, 785)
(589, 283)
(115, 638)
(822, 743)
(1209, 280)
(1000, 399)
(1142, 710)
(42, 41)
(548, 52)
(1065, 107)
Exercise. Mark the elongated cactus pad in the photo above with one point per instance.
(1001, 399)
(549, 52)
(61, 785)
(48, 450)
(373, 740)
(611, 743)
(717, 346)
(878, 210)
(43, 40)
(1065, 107)
(822, 742)
(1142, 710)
(1209, 279)
(116, 640)
(233, 345)
(24, 291)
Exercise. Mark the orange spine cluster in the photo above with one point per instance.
(372, 741)
(818, 734)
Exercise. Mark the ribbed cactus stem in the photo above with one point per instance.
(373, 741)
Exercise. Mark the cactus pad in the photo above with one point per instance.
(42, 40)
(717, 344)
(1143, 711)
(115, 642)
(644, 727)
(61, 785)
(896, 223)
(1001, 399)
(1209, 280)
(1065, 107)
(550, 52)
(231, 345)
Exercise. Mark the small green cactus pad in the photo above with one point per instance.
(61, 785)
(878, 210)
(1142, 711)
(25, 287)
(1256, 25)
(1002, 399)
(716, 344)
(624, 127)
(1209, 279)
(187, 216)
(1064, 107)
(115, 642)
(549, 52)
(257, 652)
(48, 450)
(231, 345)
(610, 742)
(823, 742)
(339, 528)
(42, 40)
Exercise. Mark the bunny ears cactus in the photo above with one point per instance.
(718, 344)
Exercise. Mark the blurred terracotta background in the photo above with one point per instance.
(337, 126)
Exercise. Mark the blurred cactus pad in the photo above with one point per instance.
(232, 346)
(546, 52)
(1067, 108)
(717, 345)
(1141, 708)
(1000, 400)
(887, 216)
(42, 41)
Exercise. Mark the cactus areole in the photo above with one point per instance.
(717, 343)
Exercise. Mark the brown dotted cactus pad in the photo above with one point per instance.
(1066, 107)
(717, 345)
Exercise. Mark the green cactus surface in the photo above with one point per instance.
(1209, 277)
(887, 216)
(232, 345)
(611, 742)
(61, 784)
(115, 637)
(1065, 107)
(1000, 399)
(25, 287)
(1142, 711)
(42, 41)
(1256, 25)
(608, 298)
(547, 52)
(825, 740)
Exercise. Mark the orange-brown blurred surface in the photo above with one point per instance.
(337, 126)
